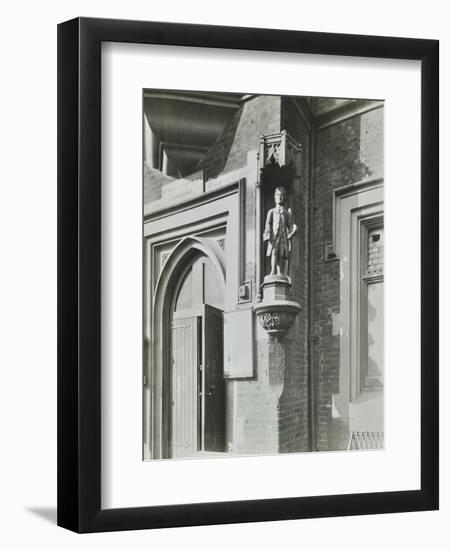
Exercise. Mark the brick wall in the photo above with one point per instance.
(293, 406)
(255, 423)
(347, 152)
(258, 116)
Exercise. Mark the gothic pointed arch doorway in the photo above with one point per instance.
(196, 387)
(188, 411)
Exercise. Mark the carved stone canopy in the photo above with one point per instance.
(280, 149)
(279, 155)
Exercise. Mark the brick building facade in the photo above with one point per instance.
(215, 379)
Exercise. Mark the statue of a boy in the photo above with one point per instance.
(279, 232)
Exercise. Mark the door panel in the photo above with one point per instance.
(184, 392)
(213, 385)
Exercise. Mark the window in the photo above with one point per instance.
(371, 304)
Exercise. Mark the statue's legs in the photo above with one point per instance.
(274, 263)
(279, 265)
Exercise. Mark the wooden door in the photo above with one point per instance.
(213, 385)
(184, 387)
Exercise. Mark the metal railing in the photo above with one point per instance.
(365, 440)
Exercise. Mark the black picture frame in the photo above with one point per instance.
(79, 274)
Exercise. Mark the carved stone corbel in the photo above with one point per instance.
(277, 312)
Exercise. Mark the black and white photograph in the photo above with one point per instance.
(263, 255)
(226, 255)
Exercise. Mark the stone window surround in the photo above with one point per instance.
(352, 205)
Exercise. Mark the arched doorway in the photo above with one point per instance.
(196, 385)
(160, 359)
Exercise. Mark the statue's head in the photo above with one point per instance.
(280, 195)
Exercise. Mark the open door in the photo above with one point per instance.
(213, 390)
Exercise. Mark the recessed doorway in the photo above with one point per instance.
(196, 386)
